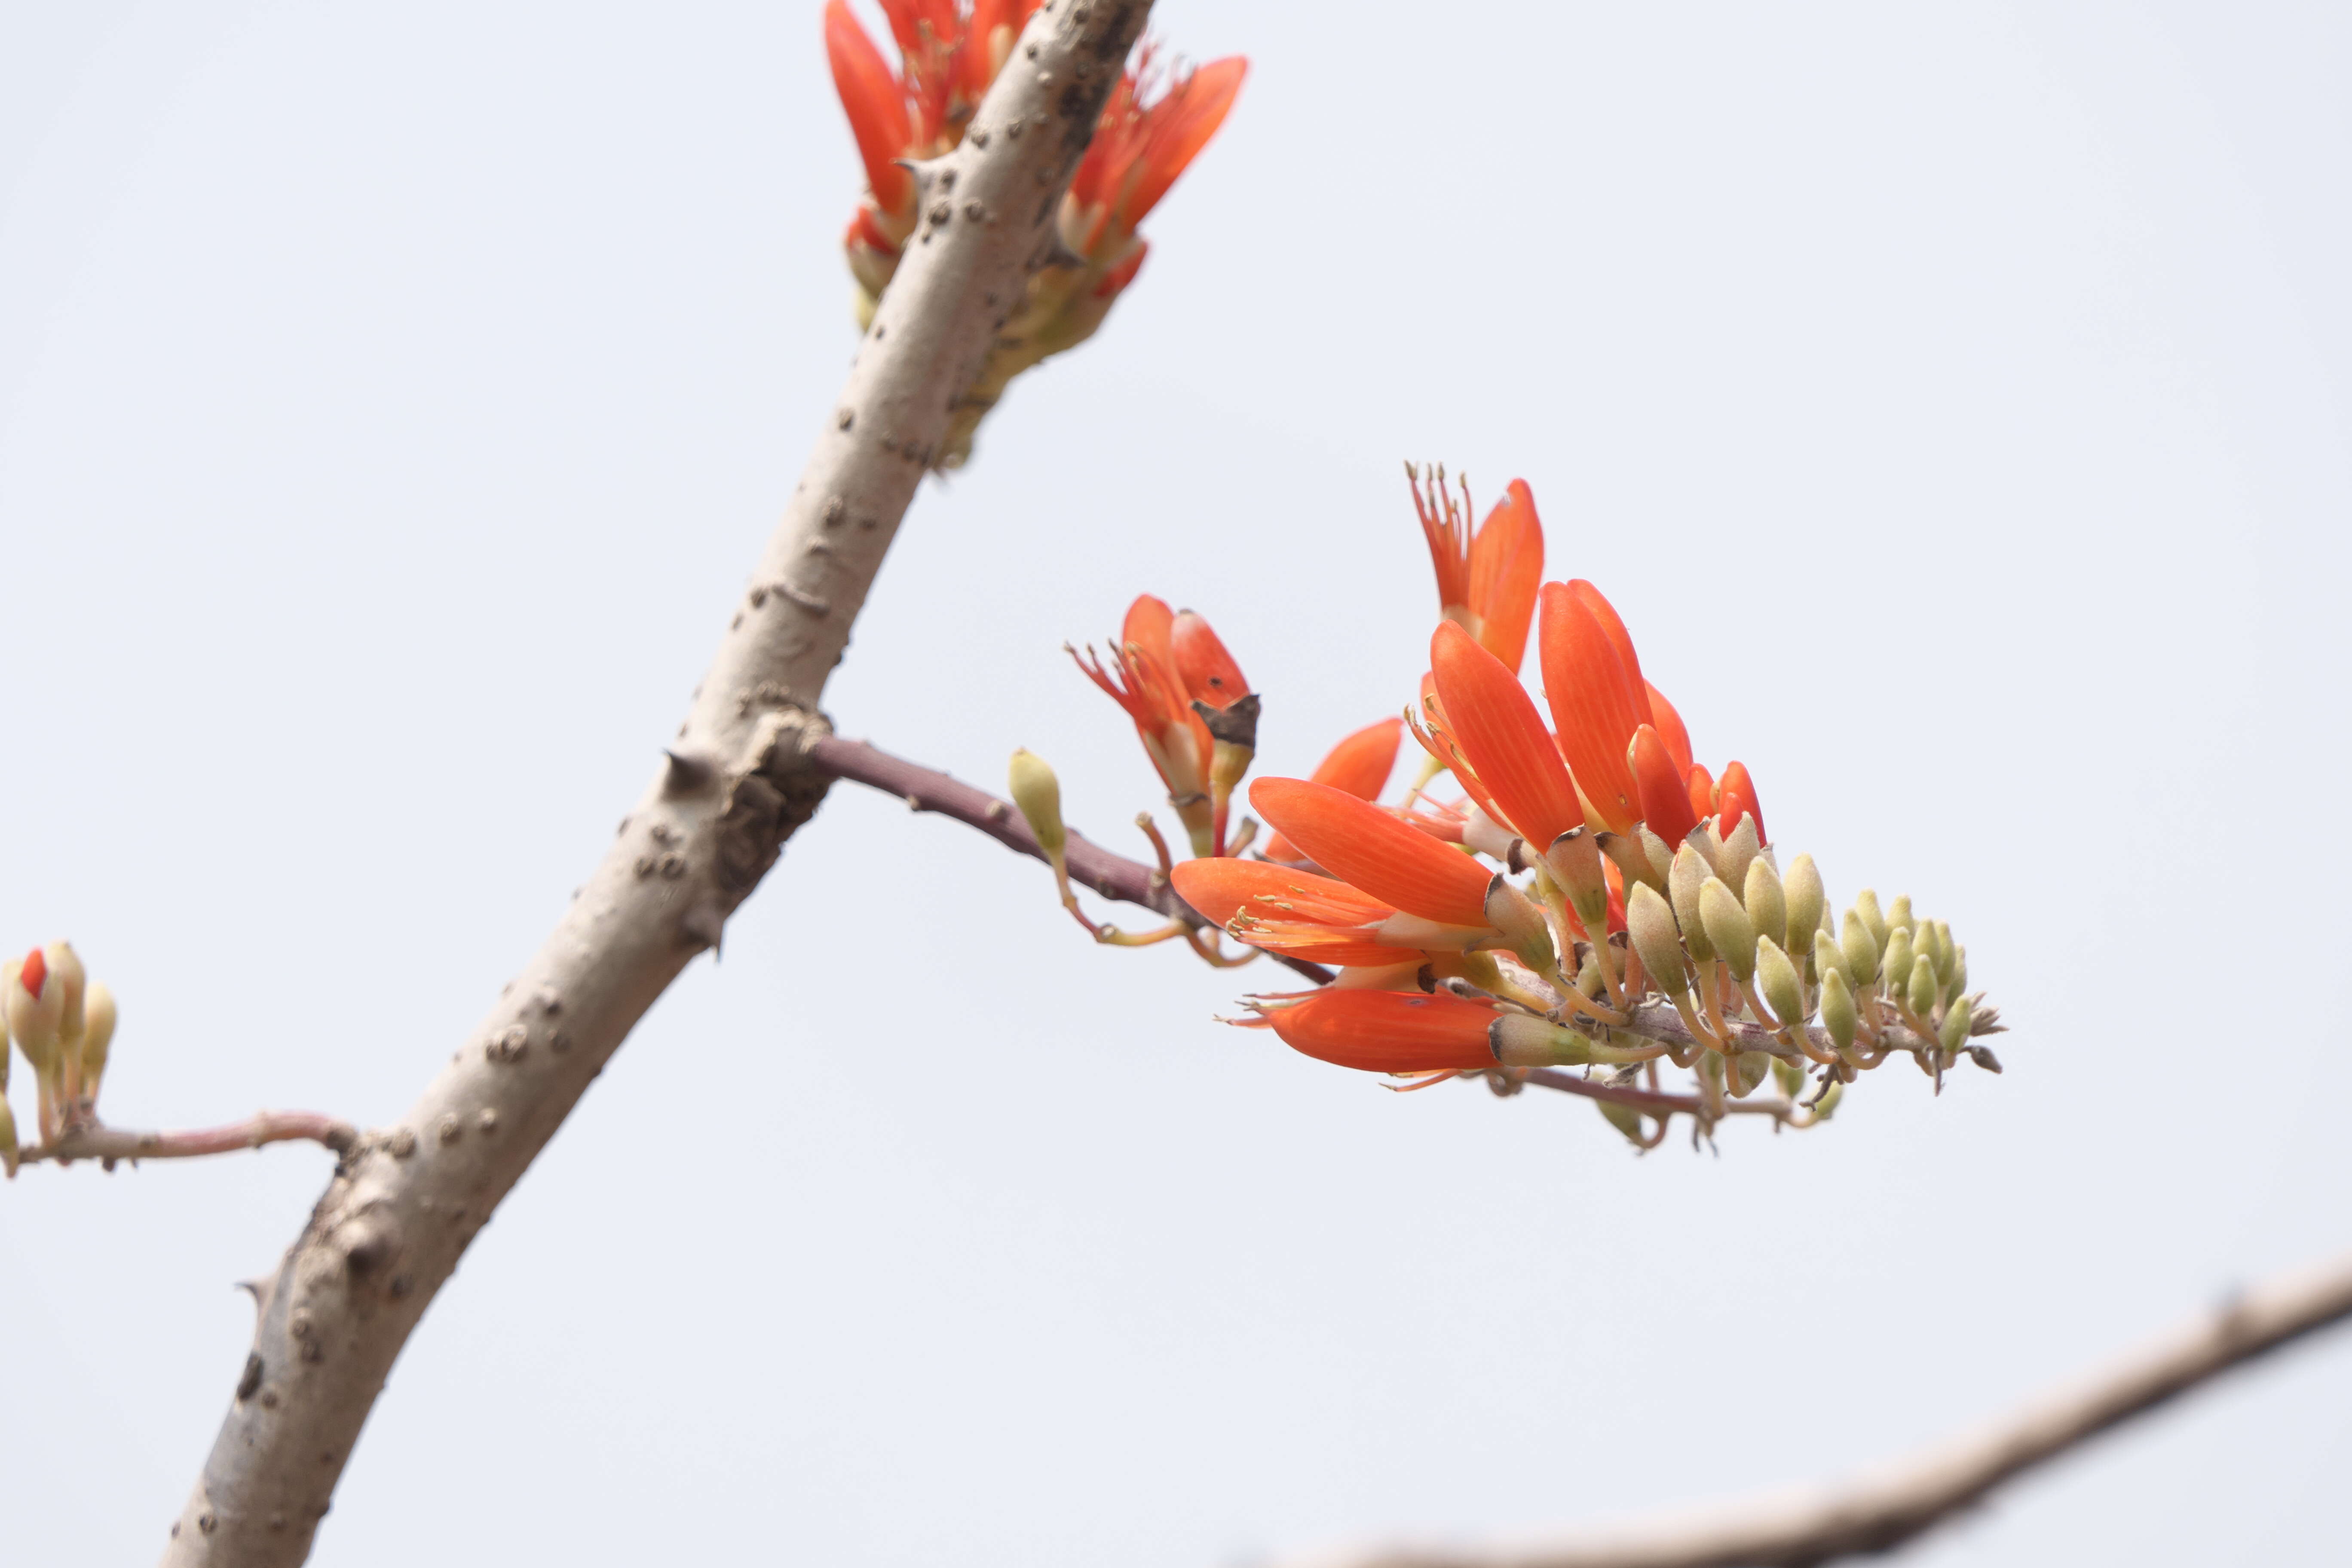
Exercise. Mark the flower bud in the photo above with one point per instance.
(1828, 959)
(65, 969)
(1728, 930)
(1898, 914)
(1948, 955)
(1866, 902)
(1838, 1014)
(7, 1139)
(1959, 982)
(1626, 1120)
(1860, 948)
(1522, 1040)
(1514, 914)
(1954, 1035)
(1574, 862)
(1765, 903)
(1788, 1077)
(1775, 977)
(1735, 855)
(1038, 794)
(1651, 923)
(1923, 987)
(98, 1035)
(1895, 962)
(35, 1009)
(1805, 899)
(1829, 1101)
(1690, 873)
(1633, 859)
(1753, 1068)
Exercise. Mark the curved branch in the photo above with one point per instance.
(112, 1143)
(735, 785)
(1875, 1514)
(928, 789)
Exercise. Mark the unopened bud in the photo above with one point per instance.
(1038, 794)
(1838, 1014)
(1827, 959)
(1805, 899)
(1626, 1120)
(1690, 873)
(1829, 1101)
(1959, 982)
(1524, 1041)
(1661, 855)
(66, 974)
(1860, 948)
(1982, 1055)
(34, 1008)
(1790, 1077)
(1954, 1035)
(1514, 914)
(1775, 977)
(1921, 992)
(1650, 922)
(1728, 930)
(1948, 955)
(97, 1036)
(1895, 962)
(1632, 857)
(1753, 1067)
(1866, 903)
(1737, 853)
(1765, 903)
(7, 1139)
(1898, 914)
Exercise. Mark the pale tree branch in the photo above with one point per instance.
(112, 1143)
(406, 1201)
(1880, 1512)
(1091, 864)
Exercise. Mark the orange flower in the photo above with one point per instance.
(1140, 148)
(1670, 729)
(1376, 852)
(1286, 910)
(1207, 670)
(1735, 796)
(1389, 1031)
(1662, 788)
(1486, 582)
(1361, 764)
(1493, 721)
(1597, 695)
(1141, 677)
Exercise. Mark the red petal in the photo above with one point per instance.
(1361, 764)
(1179, 126)
(1593, 702)
(1670, 729)
(1735, 797)
(1388, 1031)
(1665, 795)
(1491, 718)
(877, 105)
(1375, 851)
(1700, 784)
(1506, 570)
(1207, 671)
(34, 972)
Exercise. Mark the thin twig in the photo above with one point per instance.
(928, 789)
(1879, 1512)
(112, 1143)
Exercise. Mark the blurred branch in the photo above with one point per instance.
(926, 789)
(112, 1143)
(1879, 1513)
(734, 786)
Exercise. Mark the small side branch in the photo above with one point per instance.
(1877, 1514)
(928, 789)
(112, 1143)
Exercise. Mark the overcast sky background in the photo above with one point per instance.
(1953, 397)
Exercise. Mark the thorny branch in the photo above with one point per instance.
(405, 1202)
(926, 789)
(1881, 1512)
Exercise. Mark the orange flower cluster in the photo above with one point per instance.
(949, 51)
(1596, 896)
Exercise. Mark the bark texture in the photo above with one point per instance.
(735, 784)
(1880, 1513)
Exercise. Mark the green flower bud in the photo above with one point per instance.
(97, 1036)
(1948, 955)
(1827, 959)
(1574, 862)
(1765, 903)
(1959, 984)
(1898, 914)
(1626, 1120)
(1038, 794)
(1523, 925)
(7, 1137)
(1861, 950)
(1728, 930)
(1866, 903)
(1790, 1077)
(1690, 873)
(1829, 1101)
(1737, 853)
(1923, 987)
(1895, 962)
(1954, 1035)
(1661, 857)
(1804, 898)
(1839, 1015)
(1651, 924)
(1775, 977)
(1753, 1067)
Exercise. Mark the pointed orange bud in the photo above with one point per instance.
(1286, 910)
(1700, 786)
(1663, 794)
(877, 106)
(1208, 672)
(1506, 570)
(1375, 851)
(1596, 702)
(1670, 730)
(1496, 725)
(1361, 764)
(1389, 1031)
(1735, 797)
(33, 973)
